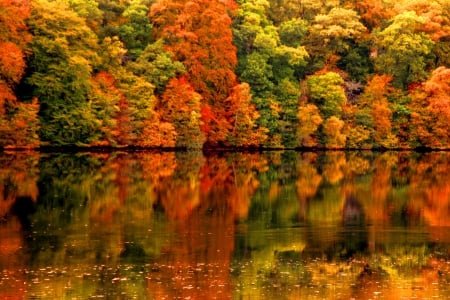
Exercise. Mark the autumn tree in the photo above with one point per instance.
(430, 115)
(327, 92)
(18, 120)
(374, 114)
(332, 35)
(244, 131)
(374, 13)
(309, 121)
(333, 133)
(199, 35)
(180, 106)
(137, 122)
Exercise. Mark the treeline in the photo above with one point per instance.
(244, 73)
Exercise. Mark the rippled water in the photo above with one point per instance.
(188, 225)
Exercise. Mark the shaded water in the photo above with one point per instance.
(186, 225)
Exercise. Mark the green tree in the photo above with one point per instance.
(327, 93)
(136, 32)
(402, 51)
(157, 66)
(271, 68)
(64, 55)
(332, 34)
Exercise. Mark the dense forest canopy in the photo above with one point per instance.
(244, 73)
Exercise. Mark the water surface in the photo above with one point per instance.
(189, 225)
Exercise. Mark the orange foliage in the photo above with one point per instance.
(437, 22)
(431, 110)
(373, 12)
(13, 40)
(334, 136)
(12, 62)
(308, 180)
(199, 35)
(309, 121)
(180, 106)
(13, 27)
(375, 98)
(430, 188)
(242, 118)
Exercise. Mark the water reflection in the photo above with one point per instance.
(180, 225)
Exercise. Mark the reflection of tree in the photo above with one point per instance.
(203, 198)
(430, 188)
(18, 194)
(226, 225)
(308, 181)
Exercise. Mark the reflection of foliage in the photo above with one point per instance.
(286, 223)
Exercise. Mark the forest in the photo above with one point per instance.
(193, 74)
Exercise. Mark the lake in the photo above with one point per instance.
(225, 225)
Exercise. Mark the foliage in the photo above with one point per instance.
(403, 52)
(326, 91)
(431, 105)
(180, 106)
(244, 131)
(254, 73)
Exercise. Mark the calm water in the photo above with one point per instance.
(272, 225)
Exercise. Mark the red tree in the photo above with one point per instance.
(199, 35)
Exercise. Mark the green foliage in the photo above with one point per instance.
(403, 52)
(136, 32)
(292, 32)
(64, 54)
(157, 66)
(356, 62)
(327, 93)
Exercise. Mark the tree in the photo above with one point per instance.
(375, 114)
(436, 20)
(244, 131)
(402, 51)
(338, 26)
(332, 35)
(271, 68)
(309, 121)
(199, 35)
(18, 120)
(327, 93)
(180, 106)
(64, 55)
(431, 110)
(157, 65)
(332, 129)
(135, 33)
(374, 13)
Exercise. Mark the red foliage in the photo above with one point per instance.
(199, 35)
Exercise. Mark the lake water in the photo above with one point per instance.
(192, 225)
